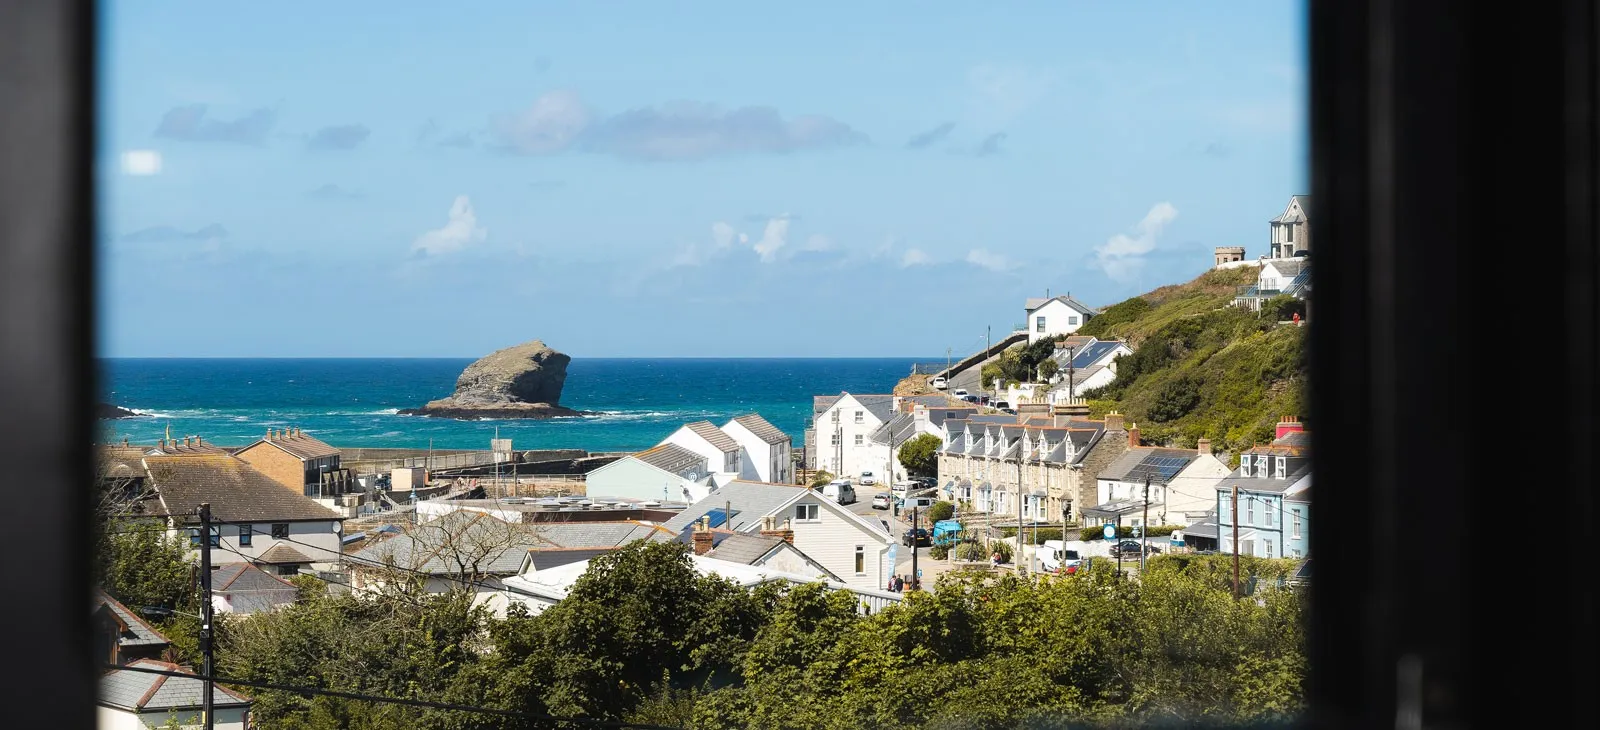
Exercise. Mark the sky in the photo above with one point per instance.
(642, 179)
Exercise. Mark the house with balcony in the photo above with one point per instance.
(308, 466)
(1274, 498)
(1082, 363)
(1284, 276)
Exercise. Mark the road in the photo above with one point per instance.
(930, 567)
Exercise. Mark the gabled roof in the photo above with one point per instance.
(244, 577)
(547, 558)
(718, 439)
(1159, 464)
(1289, 267)
(237, 491)
(1267, 484)
(1305, 210)
(136, 691)
(138, 632)
(880, 405)
(283, 554)
(671, 458)
(1089, 355)
(821, 403)
(753, 500)
(751, 549)
(761, 428)
(903, 426)
(297, 444)
(1036, 302)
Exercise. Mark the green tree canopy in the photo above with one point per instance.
(920, 455)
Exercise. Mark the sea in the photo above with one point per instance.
(354, 402)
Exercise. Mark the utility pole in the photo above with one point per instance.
(1019, 503)
(1233, 513)
(207, 665)
(1144, 531)
(1071, 384)
(916, 577)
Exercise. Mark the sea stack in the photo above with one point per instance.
(523, 381)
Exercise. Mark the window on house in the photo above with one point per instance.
(1038, 324)
(805, 513)
(861, 560)
(731, 462)
(288, 570)
(835, 416)
(1269, 549)
(860, 416)
(245, 533)
(1269, 512)
(1283, 467)
(1296, 525)
(1072, 319)
(1250, 512)
(1295, 553)
(280, 530)
(859, 437)
(1244, 465)
(194, 537)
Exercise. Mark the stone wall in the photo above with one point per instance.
(1110, 446)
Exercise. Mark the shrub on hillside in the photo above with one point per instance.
(1175, 399)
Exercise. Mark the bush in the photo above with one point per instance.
(939, 552)
(1175, 399)
(1098, 533)
(821, 478)
(1003, 548)
(920, 455)
(971, 552)
(941, 511)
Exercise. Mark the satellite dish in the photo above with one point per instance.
(338, 527)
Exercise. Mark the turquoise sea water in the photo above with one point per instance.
(352, 402)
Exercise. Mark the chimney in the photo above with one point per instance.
(1067, 412)
(1114, 421)
(161, 444)
(787, 533)
(1133, 435)
(769, 528)
(1029, 410)
(1204, 447)
(1287, 425)
(702, 536)
(186, 440)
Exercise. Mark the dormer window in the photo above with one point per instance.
(1262, 467)
(1244, 465)
(1283, 470)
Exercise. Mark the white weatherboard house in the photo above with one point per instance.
(767, 450)
(722, 452)
(134, 700)
(843, 432)
(664, 473)
(1060, 315)
(846, 544)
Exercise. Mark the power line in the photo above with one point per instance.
(389, 700)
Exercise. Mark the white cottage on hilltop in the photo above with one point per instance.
(1059, 315)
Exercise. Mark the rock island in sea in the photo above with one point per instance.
(523, 381)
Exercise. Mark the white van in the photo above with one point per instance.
(916, 503)
(1053, 555)
(840, 491)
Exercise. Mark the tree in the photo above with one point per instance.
(1048, 369)
(140, 564)
(920, 455)
(820, 478)
(941, 510)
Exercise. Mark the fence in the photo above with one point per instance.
(436, 462)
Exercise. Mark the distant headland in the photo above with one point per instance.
(522, 381)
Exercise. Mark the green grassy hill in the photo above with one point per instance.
(1201, 368)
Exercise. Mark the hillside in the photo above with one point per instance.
(1201, 368)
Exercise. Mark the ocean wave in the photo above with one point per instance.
(604, 416)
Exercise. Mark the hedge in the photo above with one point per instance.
(1086, 533)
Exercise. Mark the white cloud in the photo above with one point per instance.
(1122, 255)
(552, 124)
(722, 234)
(461, 230)
(914, 257)
(817, 242)
(773, 239)
(990, 260)
(141, 162)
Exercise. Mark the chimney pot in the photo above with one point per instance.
(1133, 435)
(1204, 447)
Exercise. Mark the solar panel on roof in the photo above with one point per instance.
(719, 516)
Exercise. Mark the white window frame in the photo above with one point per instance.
(806, 513)
(860, 439)
(1269, 512)
(1244, 465)
(836, 415)
(1250, 512)
(861, 560)
(1268, 544)
(861, 416)
(837, 438)
(1283, 467)
(1072, 319)
(1038, 323)
(1296, 533)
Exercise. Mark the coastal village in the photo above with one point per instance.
(1017, 462)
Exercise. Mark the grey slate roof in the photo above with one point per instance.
(762, 429)
(547, 558)
(878, 405)
(751, 500)
(142, 691)
(283, 554)
(821, 403)
(1265, 484)
(1088, 355)
(439, 546)
(1135, 463)
(672, 458)
(902, 425)
(1206, 527)
(1290, 267)
(250, 589)
(744, 549)
(1033, 303)
(139, 633)
(718, 439)
(236, 491)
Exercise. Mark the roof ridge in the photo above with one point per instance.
(150, 694)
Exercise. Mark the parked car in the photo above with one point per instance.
(926, 482)
(1054, 556)
(940, 383)
(881, 501)
(867, 479)
(1002, 405)
(919, 535)
(961, 393)
(970, 398)
(1130, 548)
(840, 491)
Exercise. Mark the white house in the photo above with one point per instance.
(1059, 315)
(771, 549)
(1189, 494)
(668, 473)
(242, 588)
(1085, 363)
(545, 588)
(767, 450)
(1182, 486)
(844, 430)
(846, 544)
(135, 700)
(255, 519)
(723, 454)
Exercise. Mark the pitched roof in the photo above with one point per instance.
(138, 633)
(718, 438)
(902, 425)
(1159, 464)
(282, 554)
(547, 558)
(494, 546)
(1290, 267)
(1305, 210)
(746, 549)
(878, 404)
(762, 428)
(237, 491)
(250, 589)
(670, 457)
(821, 403)
(298, 445)
(1294, 443)
(1036, 302)
(750, 501)
(1267, 484)
(185, 447)
(136, 691)
(1088, 355)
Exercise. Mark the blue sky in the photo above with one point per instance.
(672, 179)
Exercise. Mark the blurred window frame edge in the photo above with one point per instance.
(49, 381)
(1359, 639)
